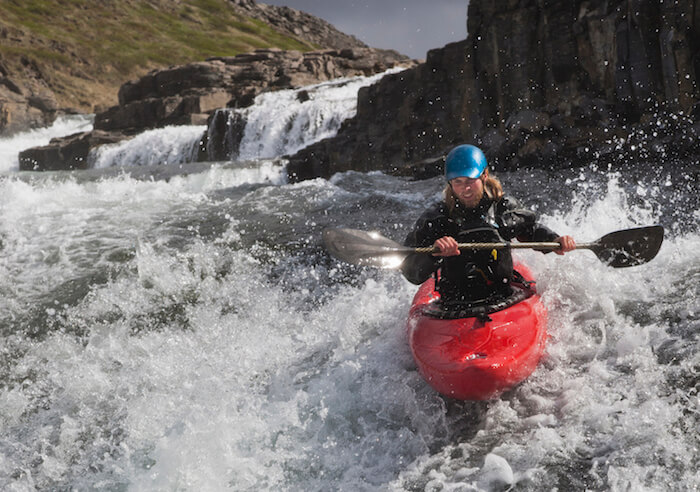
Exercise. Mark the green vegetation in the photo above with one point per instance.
(108, 42)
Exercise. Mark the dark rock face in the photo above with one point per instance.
(537, 82)
(190, 94)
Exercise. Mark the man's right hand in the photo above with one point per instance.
(447, 246)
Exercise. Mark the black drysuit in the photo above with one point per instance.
(474, 274)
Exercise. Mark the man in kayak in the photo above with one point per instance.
(474, 210)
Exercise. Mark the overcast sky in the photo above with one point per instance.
(411, 27)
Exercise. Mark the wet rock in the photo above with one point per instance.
(224, 135)
(65, 153)
(527, 121)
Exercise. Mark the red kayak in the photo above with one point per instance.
(484, 350)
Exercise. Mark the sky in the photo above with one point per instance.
(411, 27)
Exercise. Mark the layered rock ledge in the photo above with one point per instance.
(189, 94)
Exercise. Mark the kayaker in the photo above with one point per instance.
(474, 209)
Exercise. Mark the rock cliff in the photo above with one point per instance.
(536, 82)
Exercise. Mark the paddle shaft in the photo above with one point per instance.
(551, 246)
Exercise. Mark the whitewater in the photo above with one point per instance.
(168, 325)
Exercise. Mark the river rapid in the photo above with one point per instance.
(179, 326)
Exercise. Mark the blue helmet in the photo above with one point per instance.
(465, 161)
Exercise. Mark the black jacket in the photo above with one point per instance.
(502, 220)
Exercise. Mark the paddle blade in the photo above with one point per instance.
(364, 248)
(629, 247)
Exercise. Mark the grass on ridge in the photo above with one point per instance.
(108, 42)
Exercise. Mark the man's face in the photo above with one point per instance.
(469, 191)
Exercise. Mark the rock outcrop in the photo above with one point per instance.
(25, 98)
(66, 153)
(535, 83)
(189, 94)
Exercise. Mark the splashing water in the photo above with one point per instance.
(181, 327)
(190, 333)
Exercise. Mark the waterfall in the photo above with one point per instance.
(169, 145)
(283, 122)
(278, 123)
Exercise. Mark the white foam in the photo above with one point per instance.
(57, 228)
(215, 363)
(161, 146)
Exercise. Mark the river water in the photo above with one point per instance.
(174, 326)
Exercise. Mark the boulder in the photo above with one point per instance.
(17, 113)
(66, 153)
(24, 105)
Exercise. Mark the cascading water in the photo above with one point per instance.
(162, 146)
(283, 122)
(181, 328)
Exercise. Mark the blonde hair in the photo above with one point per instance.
(492, 187)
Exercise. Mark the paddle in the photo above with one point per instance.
(625, 248)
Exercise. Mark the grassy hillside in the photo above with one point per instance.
(83, 50)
